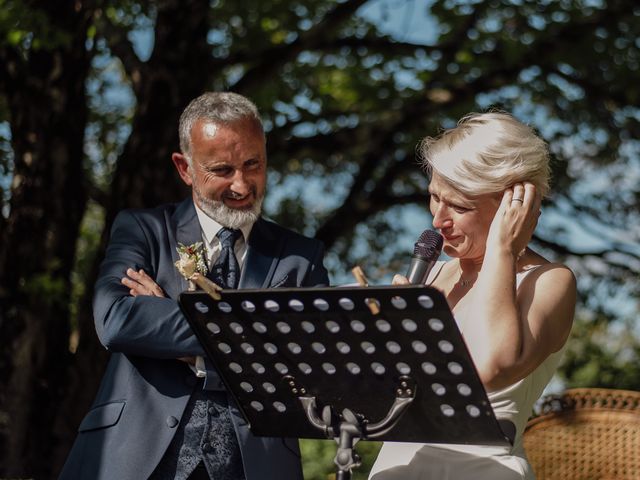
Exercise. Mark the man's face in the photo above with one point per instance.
(227, 172)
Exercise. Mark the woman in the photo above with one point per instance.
(514, 308)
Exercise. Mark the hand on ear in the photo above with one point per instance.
(516, 218)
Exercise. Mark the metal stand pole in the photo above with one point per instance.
(352, 427)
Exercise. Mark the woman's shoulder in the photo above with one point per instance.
(537, 274)
(547, 278)
(533, 261)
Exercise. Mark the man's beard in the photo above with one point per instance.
(226, 216)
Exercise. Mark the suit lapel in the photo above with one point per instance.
(264, 249)
(184, 222)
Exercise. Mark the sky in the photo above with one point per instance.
(405, 20)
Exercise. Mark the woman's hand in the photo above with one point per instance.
(399, 280)
(515, 219)
(140, 283)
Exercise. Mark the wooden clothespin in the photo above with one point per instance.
(187, 268)
(213, 289)
(362, 280)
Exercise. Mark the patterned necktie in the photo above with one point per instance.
(226, 270)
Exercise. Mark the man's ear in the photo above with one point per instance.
(183, 167)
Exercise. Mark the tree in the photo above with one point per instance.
(344, 106)
(44, 65)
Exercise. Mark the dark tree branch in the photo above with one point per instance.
(321, 143)
(563, 250)
(121, 46)
(593, 90)
(97, 194)
(382, 141)
(271, 60)
(503, 75)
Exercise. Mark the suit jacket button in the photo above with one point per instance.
(172, 421)
(190, 380)
(208, 448)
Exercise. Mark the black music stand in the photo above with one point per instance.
(317, 363)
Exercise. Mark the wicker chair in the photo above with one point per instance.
(586, 434)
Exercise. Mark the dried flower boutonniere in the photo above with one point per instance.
(193, 267)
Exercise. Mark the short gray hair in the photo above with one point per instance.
(487, 153)
(221, 108)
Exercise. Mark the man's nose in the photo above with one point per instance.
(239, 184)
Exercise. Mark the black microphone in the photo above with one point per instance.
(425, 253)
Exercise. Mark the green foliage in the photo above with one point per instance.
(45, 288)
(599, 356)
(345, 104)
(29, 27)
(318, 455)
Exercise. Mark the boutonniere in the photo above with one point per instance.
(191, 259)
(192, 266)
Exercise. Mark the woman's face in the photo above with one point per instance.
(463, 221)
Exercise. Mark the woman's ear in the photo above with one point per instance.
(497, 197)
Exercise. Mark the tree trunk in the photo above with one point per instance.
(145, 175)
(174, 75)
(44, 90)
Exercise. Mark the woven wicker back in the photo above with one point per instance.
(586, 434)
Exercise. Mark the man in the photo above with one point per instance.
(153, 417)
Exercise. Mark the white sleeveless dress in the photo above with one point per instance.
(408, 461)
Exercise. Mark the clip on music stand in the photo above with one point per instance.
(317, 363)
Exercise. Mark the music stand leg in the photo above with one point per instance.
(352, 428)
(346, 458)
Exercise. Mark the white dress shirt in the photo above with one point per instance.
(209, 228)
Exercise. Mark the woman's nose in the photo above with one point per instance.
(441, 218)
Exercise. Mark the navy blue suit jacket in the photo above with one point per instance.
(144, 390)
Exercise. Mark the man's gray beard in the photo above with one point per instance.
(226, 216)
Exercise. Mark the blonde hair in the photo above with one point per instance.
(487, 153)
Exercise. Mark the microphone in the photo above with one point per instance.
(425, 253)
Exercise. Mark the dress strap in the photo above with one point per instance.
(520, 276)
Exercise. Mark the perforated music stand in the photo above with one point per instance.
(317, 363)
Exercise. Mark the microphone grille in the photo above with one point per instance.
(429, 245)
